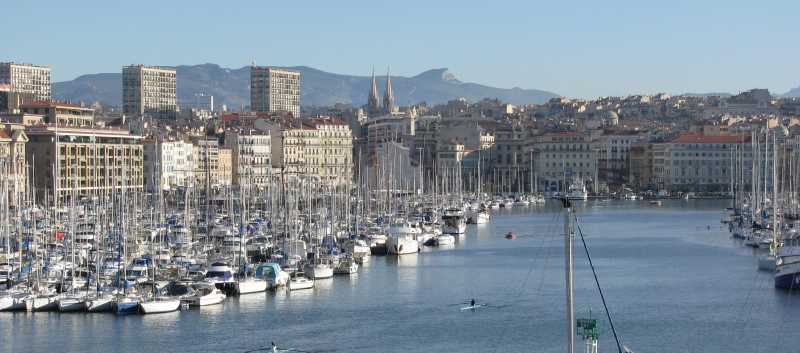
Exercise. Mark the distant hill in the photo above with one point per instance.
(794, 92)
(231, 86)
(705, 95)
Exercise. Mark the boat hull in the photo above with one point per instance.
(319, 271)
(163, 306)
(787, 276)
(247, 287)
(300, 283)
(99, 305)
(401, 246)
(71, 304)
(126, 308)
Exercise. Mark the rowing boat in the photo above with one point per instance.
(472, 307)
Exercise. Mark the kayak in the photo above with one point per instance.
(472, 307)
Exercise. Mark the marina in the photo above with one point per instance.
(691, 278)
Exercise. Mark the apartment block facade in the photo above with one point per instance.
(26, 78)
(274, 90)
(150, 90)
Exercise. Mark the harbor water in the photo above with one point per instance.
(674, 281)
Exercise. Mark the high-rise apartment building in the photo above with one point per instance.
(26, 78)
(274, 90)
(150, 90)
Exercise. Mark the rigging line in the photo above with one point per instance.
(556, 217)
(744, 306)
(758, 312)
(788, 299)
(749, 312)
(608, 313)
(539, 291)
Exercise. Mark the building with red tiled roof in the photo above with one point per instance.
(697, 162)
(100, 158)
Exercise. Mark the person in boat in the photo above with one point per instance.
(472, 303)
(274, 349)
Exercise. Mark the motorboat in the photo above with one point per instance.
(160, 304)
(220, 275)
(454, 222)
(249, 285)
(402, 238)
(274, 275)
(444, 239)
(347, 266)
(299, 282)
(203, 294)
(577, 191)
(482, 217)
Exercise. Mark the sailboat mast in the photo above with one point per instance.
(568, 267)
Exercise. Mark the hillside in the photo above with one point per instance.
(231, 86)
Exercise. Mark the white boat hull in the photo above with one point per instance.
(445, 239)
(160, 306)
(319, 271)
(99, 305)
(247, 286)
(300, 283)
(401, 246)
(72, 304)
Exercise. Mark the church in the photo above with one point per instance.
(374, 108)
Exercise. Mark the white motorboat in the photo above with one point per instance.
(275, 276)
(346, 267)
(160, 305)
(444, 239)
(454, 222)
(298, 283)
(482, 217)
(221, 276)
(204, 294)
(251, 285)
(521, 202)
(402, 239)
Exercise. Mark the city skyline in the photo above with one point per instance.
(578, 50)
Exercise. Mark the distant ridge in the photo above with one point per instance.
(705, 95)
(319, 88)
(794, 92)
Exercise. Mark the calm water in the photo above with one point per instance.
(671, 284)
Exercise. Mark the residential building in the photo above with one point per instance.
(63, 113)
(251, 160)
(13, 162)
(166, 162)
(390, 127)
(225, 166)
(562, 157)
(699, 163)
(333, 158)
(11, 100)
(274, 90)
(206, 161)
(85, 160)
(200, 102)
(512, 162)
(26, 78)
(396, 170)
(150, 90)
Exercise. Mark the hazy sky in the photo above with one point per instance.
(579, 49)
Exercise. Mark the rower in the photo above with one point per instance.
(274, 349)
(472, 303)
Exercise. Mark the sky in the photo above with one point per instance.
(577, 49)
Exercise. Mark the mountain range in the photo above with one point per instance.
(317, 88)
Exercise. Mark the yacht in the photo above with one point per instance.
(454, 222)
(444, 239)
(577, 191)
(402, 239)
(220, 275)
(347, 266)
(203, 294)
(482, 217)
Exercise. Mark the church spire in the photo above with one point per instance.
(372, 100)
(388, 95)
